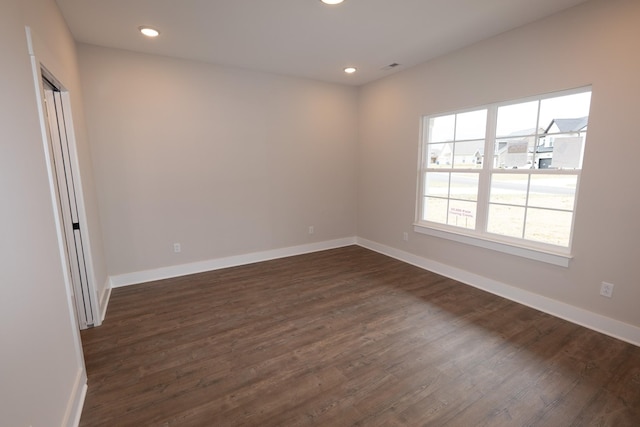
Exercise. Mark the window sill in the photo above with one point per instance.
(549, 257)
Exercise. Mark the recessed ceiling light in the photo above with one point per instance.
(350, 70)
(149, 32)
(331, 1)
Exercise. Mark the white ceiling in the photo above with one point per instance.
(303, 38)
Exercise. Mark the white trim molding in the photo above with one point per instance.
(599, 323)
(76, 401)
(608, 326)
(226, 262)
(104, 299)
(559, 259)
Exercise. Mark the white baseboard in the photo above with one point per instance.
(76, 400)
(588, 319)
(614, 328)
(104, 299)
(232, 261)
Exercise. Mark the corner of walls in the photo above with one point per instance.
(614, 328)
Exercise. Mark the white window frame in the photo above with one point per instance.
(548, 253)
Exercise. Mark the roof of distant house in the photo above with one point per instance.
(569, 125)
(524, 132)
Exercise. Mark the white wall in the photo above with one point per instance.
(41, 369)
(595, 43)
(223, 161)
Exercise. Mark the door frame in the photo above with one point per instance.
(40, 71)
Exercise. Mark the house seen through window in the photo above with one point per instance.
(507, 172)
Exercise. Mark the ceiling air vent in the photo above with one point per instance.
(390, 66)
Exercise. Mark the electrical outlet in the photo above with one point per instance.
(606, 289)
(177, 248)
(312, 229)
(405, 236)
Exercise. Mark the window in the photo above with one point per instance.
(505, 173)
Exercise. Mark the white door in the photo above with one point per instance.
(67, 203)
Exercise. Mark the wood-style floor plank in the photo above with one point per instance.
(347, 337)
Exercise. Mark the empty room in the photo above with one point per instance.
(328, 213)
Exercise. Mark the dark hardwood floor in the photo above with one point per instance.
(347, 337)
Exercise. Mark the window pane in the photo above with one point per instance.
(517, 119)
(462, 214)
(435, 210)
(468, 154)
(572, 112)
(514, 153)
(509, 189)
(567, 152)
(441, 129)
(506, 220)
(440, 155)
(553, 191)
(547, 226)
(464, 186)
(437, 184)
(471, 125)
(532, 166)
